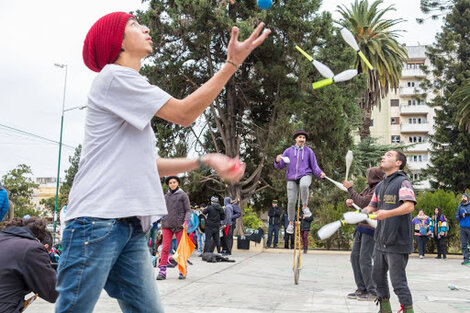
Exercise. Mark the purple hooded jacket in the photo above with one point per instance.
(302, 162)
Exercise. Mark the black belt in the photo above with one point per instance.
(126, 219)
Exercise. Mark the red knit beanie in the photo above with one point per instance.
(104, 39)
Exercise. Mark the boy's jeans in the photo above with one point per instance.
(201, 237)
(110, 254)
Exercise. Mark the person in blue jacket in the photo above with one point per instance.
(463, 215)
(4, 203)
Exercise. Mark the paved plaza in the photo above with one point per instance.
(263, 282)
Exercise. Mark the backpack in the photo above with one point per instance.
(202, 223)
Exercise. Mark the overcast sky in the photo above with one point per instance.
(37, 34)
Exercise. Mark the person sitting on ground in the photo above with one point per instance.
(301, 165)
(25, 264)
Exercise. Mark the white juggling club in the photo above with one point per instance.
(322, 68)
(351, 41)
(337, 184)
(369, 221)
(329, 229)
(341, 77)
(349, 159)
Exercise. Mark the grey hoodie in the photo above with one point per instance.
(228, 212)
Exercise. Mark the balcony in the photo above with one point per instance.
(410, 91)
(412, 72)
(415, 128)
(417, 166)
(414, 109)
(419, 147)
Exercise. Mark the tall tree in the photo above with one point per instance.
(462, 97)
(20, 188)
(271, 89)
(435, 9)
(378, 42)
(70, 173)
(450, 57)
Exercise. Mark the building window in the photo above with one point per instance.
(371, 122)
(411, 84)
(418, 158)
(395, 139)
(415, 176)
(413, 139)
(417, 120)
(394, 102)
(395, 120)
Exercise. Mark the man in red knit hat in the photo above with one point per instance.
(117, 194)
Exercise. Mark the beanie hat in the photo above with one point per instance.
(275, 201)
(301, 132)
(167, 180)
(466, 195)
(215, 199)
(104, 39)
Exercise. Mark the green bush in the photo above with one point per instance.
(448, 202)
(251, 219)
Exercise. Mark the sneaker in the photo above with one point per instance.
(290, 229)
(355, 294)
(466, 263)
(162, 273)
(421, 256)
(181, 276)
(366, 297)
(307, 212)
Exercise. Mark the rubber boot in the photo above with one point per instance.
(407, 309)
(384, 305)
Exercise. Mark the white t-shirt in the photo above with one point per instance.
(117, 176)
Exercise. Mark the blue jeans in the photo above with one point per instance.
(465, 241)
(201, 237)
(110, 254)
(273, 230)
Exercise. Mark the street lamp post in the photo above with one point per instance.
(56, 209)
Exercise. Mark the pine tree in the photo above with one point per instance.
(450, 58)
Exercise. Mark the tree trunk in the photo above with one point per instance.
(366, 120)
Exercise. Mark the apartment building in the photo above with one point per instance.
(46, 189)
(404, 117)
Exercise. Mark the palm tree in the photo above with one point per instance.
(378, 42)
(462, 97)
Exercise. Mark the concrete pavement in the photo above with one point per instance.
(263, 282)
